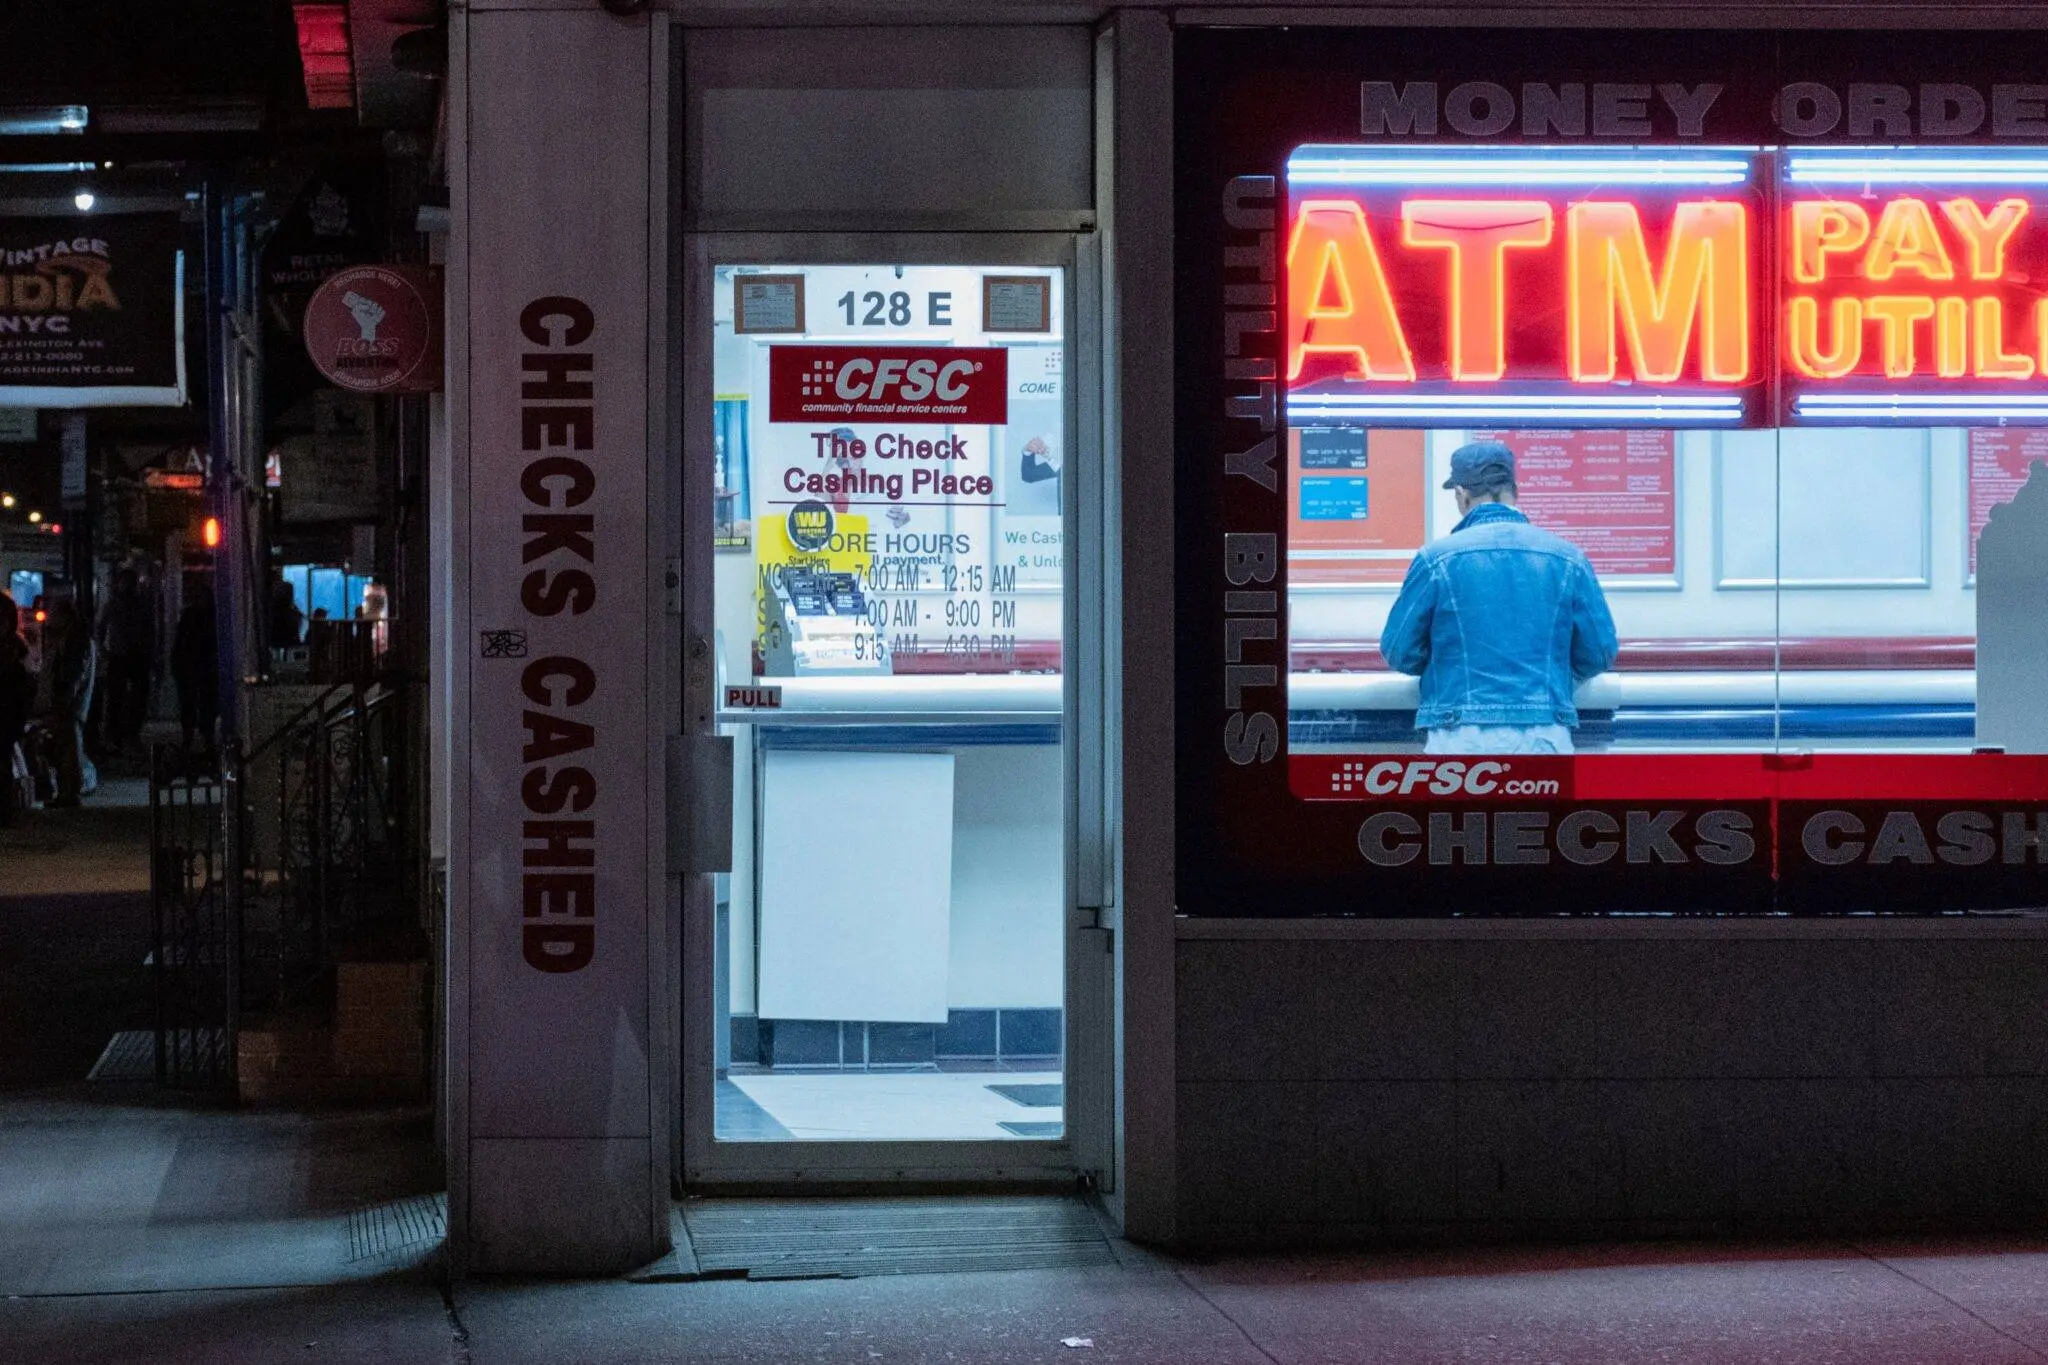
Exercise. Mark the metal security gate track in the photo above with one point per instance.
(803, 1239)
(389, 1229)
(130, 1055)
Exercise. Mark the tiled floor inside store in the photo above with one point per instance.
(864, 1106)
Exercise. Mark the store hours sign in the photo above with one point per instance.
(92, 311)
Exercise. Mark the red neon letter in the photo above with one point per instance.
(1985, 237)
(1706, 273)
(1802, 337)
(1820, 228)
(1993, 360)
(1895, 315)
(1951, 337)
(1906, 240)
(1477, 233)
(1337, 296)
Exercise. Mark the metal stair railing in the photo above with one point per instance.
(228, 936)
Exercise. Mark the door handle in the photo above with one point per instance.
(699, 804)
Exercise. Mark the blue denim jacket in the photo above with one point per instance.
(1500, 619)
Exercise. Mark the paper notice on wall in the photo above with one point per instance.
(74, 456)
(2000, 460)
(332, 474)
(1614, 494)
(768, 303)
(1016, 303)
(1359, 504)
(1030, 463)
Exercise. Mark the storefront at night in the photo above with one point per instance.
(921, 706)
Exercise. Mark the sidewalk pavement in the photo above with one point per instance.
(130, 1233)
(1919, 1303)
(100, 846)
(74, 933)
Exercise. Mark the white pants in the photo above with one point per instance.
(1499, 739)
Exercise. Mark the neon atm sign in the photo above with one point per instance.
(1436, 286)
(1914, 285)
(1446, 286)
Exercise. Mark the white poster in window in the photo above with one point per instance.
(1031, 463)
(896, 443)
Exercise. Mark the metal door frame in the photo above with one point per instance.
(1088, 979)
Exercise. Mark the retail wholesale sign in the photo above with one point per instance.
(377, 329)
(964, 385)
(92, 311)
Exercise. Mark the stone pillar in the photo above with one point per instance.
(560, 1027)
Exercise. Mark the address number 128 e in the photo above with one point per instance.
(876, 309)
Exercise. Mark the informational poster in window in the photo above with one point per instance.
(1030, 458)
(1613, 493)
(2001, 458)
(1361, 503)
(899, 471)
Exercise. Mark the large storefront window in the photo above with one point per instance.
(890, 603)
(1775, 394)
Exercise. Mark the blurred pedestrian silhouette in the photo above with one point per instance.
(195, 671)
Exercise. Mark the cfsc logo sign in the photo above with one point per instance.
(1424, 779)
(959, 384)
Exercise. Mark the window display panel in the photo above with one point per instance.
(1613, 505)
(1808, 588)
(1551, 287)
(1793, 591)
(1876, 626)
(1783, 591)
(889, 513)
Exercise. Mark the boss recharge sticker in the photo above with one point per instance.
(968, 385)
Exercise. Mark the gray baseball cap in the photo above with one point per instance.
(1481, 465)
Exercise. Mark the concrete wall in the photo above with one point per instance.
(561, 1059)
(1623, 1080)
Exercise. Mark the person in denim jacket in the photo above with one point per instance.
(1500, 619)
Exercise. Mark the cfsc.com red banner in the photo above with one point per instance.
(968, 385)
(1480, 780)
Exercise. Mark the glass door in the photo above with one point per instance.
(885, 605)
